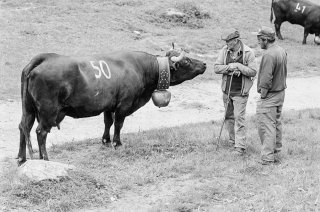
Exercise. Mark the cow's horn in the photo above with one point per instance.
(177, 59)
(172, 47)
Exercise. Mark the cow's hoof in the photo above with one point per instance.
(21, 161)
(117, 145)
(109, 144)
(280, 37)
(106, 142)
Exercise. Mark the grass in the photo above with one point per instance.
(178, 169)
(89, 27)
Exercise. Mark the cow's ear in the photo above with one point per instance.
(176, 65)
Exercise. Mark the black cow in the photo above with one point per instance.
(54, 86)
(300, 12)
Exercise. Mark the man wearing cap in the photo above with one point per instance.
(271, 86)
(236, 59)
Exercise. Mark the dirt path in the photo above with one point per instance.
(190, 103)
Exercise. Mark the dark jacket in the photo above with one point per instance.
(273, 70)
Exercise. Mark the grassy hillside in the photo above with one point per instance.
(78, 27)
(179, 169)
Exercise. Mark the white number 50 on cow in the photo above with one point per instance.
(100, 69)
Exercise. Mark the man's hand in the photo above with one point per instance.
(233, 69)
(237, 72)
(233, 66)
(263, 93)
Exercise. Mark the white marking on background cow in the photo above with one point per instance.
(298, 8)
(100, 69)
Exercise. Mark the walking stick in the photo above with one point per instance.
(225, 113)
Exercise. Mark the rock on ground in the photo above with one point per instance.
(37, 170)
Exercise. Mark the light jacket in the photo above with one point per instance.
(248, 69)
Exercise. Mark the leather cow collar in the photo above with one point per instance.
(164, 73)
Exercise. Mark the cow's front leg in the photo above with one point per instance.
(108, 121)
(305, 35)
(118, 123)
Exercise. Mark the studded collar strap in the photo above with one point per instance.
(164, 73)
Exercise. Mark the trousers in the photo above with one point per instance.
(235, 119)
(269, 124)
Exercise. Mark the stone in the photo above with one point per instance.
(37, 170)
(173, 13)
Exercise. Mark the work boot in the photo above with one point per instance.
(231, 142)
(265, 162)
(238, 151)
(276, 154)
(276, 151)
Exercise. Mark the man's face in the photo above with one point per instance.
(231, 44)
(262, 42)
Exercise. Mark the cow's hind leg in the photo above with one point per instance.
(42, 136)
(25, 127)
(42, 140)
(108, 121)
(47, 119)
(118, 123)
(277, 25)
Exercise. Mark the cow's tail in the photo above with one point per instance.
(26, 98)
(25, 76)
(271, 15)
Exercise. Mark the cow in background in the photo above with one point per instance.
(301, 12)
(119, 83)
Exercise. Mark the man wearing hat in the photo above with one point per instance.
(271, 86)
(236, 63)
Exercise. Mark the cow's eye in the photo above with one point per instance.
(187, 61)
